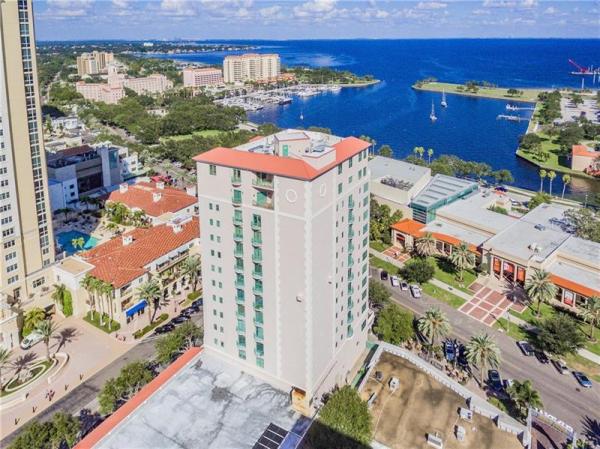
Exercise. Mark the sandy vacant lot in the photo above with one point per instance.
(422, 405)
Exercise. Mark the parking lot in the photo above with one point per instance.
(421, 405)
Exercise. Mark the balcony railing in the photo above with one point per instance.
(236, 180)
(256, 225)
(259, 353)
(264, 204)
(257, 290)
(258, 322)
(240, 300)
(259, 337)
(258, 305)
(350, 218)
(238, 237)
(238, 252)
(350, 318)
(241, 327)
(257, 274)
(256, 257)
(350, 261)
(237, 221)
(351, 233)
(238, 268)
(241, 344)
(257, 241)
(263, 183)
(351, 203)
(236, 200)
(239, 283)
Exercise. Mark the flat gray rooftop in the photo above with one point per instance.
(440, 188)
(459, 232)
(209, 404)
(380, 167)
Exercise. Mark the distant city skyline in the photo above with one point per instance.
(313, 19)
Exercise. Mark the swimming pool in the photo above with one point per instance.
(65, 240)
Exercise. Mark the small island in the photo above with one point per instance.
(481, 89)
(325, 75)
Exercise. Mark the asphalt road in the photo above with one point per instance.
(561, 394)
(85, 394)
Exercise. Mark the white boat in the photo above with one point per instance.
(301, 116)
(335, 88)
(444, 103)
(432, 116)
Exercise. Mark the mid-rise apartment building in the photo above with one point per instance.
(251, 67)
(25, 220)
(201, 76)
(93, 63)
(284, 247)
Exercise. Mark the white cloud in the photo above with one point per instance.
(315, 8)
(431, 5)
(177, 8)
(123, 4)
(481, 12)
(68, 8)
(510, 3)
(550, 10)
(271, 12)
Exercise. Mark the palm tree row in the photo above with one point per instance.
(100, 294)
(551, 175)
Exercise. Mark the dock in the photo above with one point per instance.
(511, 118)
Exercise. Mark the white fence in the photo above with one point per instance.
(476, 404)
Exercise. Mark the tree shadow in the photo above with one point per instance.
(591, 430)
(23, 361)
(515, 293)
(66, 335)
(446, 265)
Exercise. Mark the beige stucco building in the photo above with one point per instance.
(201, 76)
(284, 247)
(93, 63)
(25, 219)
(251, 67)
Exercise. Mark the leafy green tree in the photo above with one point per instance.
(568, 136)
(537, 199)
(378, 294)
(381, 221)
(343, 423)
(191, 334)
(483, 352)
(58, 295)
(462, 258)
(120, 389)
(5, 356)
(503, 176)
(47, 328)
(540, 288)
(418, 270)
(191, 268)
(433, 325)
(32, 318)
(395, 325)
(524, 396)
(65, 430)
(591, 314)
(531, 143)
(36, 435)
(167, 347)
(559, 335)
(385, 151)
(152, 293)
(426, 245)
(585, 222)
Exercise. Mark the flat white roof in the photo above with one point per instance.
(581, 276)
(381, 167)
(456, 231)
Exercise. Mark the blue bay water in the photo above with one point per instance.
(392, 113)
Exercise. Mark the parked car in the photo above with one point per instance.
(542, 357)
(395, 281)
(450, 350)
(501, 189)
(384, 275)
(198, 303)
(507, 383)
(494, 379)
(31, 339)
(560, 366)
(582, 379)
(415, 291)
(525, 348)
(188, 311)
(462, 356)
(180, 319)
(164, 328)
(403, 285)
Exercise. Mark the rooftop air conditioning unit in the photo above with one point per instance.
(123, 188)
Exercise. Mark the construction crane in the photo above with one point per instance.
(582, 70)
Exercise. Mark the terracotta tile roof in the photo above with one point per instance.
(415, 229)
(582, 150)
(120, 264)
(281, 166)
(140, 196)
(573, 286)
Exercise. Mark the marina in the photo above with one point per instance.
(257, 100)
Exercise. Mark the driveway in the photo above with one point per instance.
(89, 350)
(561, 394)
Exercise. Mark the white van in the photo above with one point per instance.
(33, 338)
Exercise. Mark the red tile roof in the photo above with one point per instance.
(574, 286)
(416, 229)
(120, 264)
(140, 196)
(582, 150)
(281, 166)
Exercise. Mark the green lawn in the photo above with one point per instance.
(379, 246)
(205, 133)
(94, 320)
(377, 262)
(578, 363)
(445, 272)
(529, 95)
(514, 331)
(443, 295)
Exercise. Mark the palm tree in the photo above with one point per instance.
(524, 396)
(47, 329)
(425, 246)
(543, 174)
(540, 288)
(191, 268)
(566, 179)
(5, 355)
(77, 242)
(33, 317)
(591, 313)
(462, 259)
(138, 218)
(433, 324)
(105, 290)
(90, 283)
(429, 154)
(483, 351)
(151, 292)
(58, 295)
(551, 176)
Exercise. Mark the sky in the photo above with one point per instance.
(313, 19)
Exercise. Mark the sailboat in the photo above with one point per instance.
(432, 116)
(444, 103)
